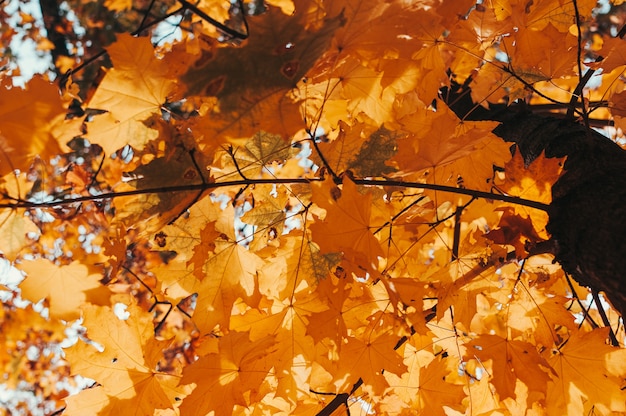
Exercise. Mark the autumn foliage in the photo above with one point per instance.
(280, 211)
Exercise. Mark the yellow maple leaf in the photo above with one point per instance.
(229, 274)
(295, 261)
(118, 5)
(136, 87)
(554, 59)
(556, 12)
(228, 378)
(287, 321)
(127, 365)
(253, 157)
(67, 288)
(14, 227)
(268, 215)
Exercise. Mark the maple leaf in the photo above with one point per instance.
(254, 156)
(512, 360)
(135, 88)
(268, 215)
(25, 117)
(533, 182)
(115, 248)
(341, 151)
(67, 288)
(349, 150)
(87, 403)
(14, 227)
(126, 367)
(553, 59)
(374, 31)
(334, 321)
(229, 274)
(183, 236)
(287, 49)
(368, 357)
(459, 284)
(225, 379)
(176, 167)
(287, 320)
(556, 12)
(582, 376)
(514, 230)
(435, 391)
(346, 226)
(613, 52)
(297, 262)
(450, 149)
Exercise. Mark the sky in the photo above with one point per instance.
(29, 59)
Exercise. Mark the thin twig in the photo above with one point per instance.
(579, 64)
(605, 319)
(325, 163)
(457, 232)
(231, 152)
(200, 192)
(396, 216)
(92, 59)
(585, 310)
(232, 32)
(340, 399)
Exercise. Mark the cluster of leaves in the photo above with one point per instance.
(277, 214)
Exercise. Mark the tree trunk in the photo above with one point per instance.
(588, 210)
(55, 23)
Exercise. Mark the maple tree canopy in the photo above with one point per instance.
(314, 207)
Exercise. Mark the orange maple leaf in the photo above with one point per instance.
(346, 227)
(588, 372)
(450, 148)
(367, 357)
(514, 230)
(287, 47)
(67, 288)
(127, 365)
(229, 377)
(25, 117)
(512, 360)
(435, 390)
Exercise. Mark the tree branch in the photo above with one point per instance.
(340, 399)
(19, 203)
